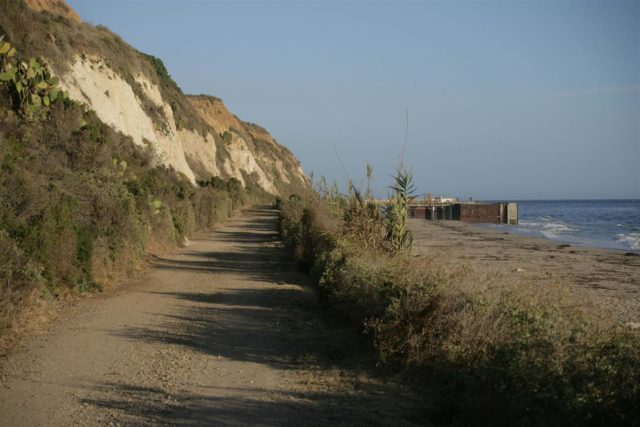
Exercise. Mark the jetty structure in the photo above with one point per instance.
(450, 208)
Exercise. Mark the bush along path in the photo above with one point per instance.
(222, 332)
(499, 353)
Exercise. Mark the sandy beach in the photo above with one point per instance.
(603, 279)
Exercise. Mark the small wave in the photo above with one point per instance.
(632, 240)
(547, 226)
(530, 223)
(553, 229)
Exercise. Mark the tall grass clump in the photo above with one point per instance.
(499, 351)
(363, 219)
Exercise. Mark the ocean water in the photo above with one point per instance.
(609, 224)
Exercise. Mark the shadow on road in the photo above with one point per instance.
(137, 405)
(273, 327)
(257, 254)
(274, 320)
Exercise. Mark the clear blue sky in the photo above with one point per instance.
(506, 99)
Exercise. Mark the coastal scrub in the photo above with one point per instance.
(500, 352)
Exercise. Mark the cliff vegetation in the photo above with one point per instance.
(86, 195)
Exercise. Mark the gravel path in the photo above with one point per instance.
(222, 332)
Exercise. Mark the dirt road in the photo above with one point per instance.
(222, 332)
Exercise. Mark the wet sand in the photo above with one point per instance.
(598, 278)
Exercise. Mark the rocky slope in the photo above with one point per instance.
(133, 92)
(252, 149)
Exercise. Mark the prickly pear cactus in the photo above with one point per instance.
(30, 84)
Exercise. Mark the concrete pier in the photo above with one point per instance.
(490, 213)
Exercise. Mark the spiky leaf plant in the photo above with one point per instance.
(396, 211)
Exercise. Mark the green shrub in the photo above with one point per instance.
(161, 71)
(226, 137)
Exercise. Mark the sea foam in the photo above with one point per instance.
(548, 227)
(632, 240)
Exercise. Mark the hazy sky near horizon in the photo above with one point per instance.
(506, 99)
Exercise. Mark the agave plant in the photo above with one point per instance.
(396, 211)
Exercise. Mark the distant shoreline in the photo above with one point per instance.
(631, 199)
(608, 224)
(505, 228)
